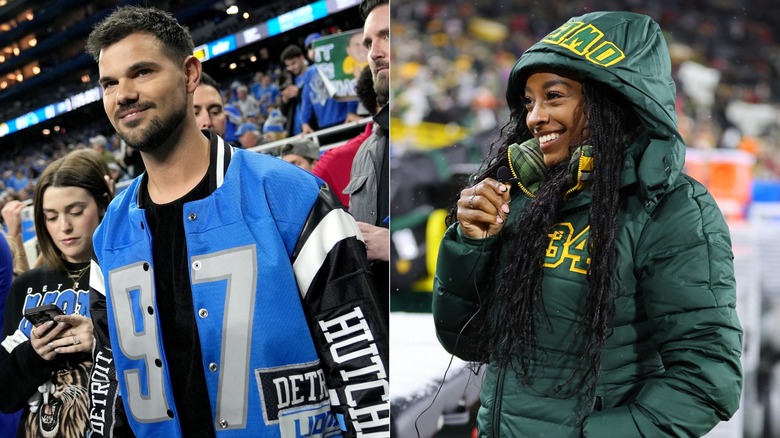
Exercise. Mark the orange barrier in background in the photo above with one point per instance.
(727, 174)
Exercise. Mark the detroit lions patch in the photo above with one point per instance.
(295, 397)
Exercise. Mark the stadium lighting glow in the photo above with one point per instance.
(33, 42)
(246, 15)
(36, 70)
(19, 77)
(253, 58)
(233, 10)
(275, 26)
(233, 65)
(46, 131)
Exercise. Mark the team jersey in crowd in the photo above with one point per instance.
(317, 102)
(292, 341)
(52, 394)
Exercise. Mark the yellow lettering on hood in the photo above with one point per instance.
(586, 40)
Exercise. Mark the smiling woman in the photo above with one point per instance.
(603, 300)
(44, 368)
(556, 117)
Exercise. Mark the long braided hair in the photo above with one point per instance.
(515, 309)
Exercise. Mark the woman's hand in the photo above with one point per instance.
(43, 335)
(76, 340)
(483, 208)
(71, 334)
(12, 215)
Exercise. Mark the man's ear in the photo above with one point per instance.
(192, 73)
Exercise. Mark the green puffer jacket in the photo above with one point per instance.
(671, 366)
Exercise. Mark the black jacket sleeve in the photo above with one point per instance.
(22, 370)
(348, 327)
(106, 411)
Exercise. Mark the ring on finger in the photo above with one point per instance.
(471, 202)
(75, 340)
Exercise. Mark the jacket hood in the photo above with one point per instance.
(626, 52)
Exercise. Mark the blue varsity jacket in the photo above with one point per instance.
(293, 344)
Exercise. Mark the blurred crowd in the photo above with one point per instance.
(255, 106)
(208, 29)
(452, 60)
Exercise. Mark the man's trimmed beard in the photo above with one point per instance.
(382, 89)
(157, 133)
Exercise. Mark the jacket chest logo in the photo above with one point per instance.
(568, 248)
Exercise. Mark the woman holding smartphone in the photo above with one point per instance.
(44, 368)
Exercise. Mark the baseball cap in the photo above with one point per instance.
(246, 127)
(99, 139)
(301, 146)
(310, 38)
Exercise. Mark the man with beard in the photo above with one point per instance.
(369, 185)
(214, 301)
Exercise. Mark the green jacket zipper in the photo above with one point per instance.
(497, 403)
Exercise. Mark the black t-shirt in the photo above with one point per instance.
(175, 306)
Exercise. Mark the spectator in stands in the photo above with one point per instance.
(369, 185)
(302, 152)
(319, 109)
(44, 369)
(100, 144)
(266, 92)
(115, 172)
(600, 289)
(274, 126)
(12, 217)
(204, 213)
(253, 117)
(248, 135)
(233, 121)
(335, 164)
(18, 180)
(308, 43)
(115, 146)
(132, 162)
(209, 108)
(296, 64)
(245, 102)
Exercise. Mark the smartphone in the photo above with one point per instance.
(41, 314)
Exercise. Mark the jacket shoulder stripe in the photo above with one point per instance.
(336, 226)
(96, 278)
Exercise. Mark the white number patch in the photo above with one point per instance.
(132, 293)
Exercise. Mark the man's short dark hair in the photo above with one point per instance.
(127, 20)
(364, 88)
(291, 52)
(206, 79)
(368, 5)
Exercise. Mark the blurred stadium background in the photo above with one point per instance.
(450, 63)
(49, 96)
